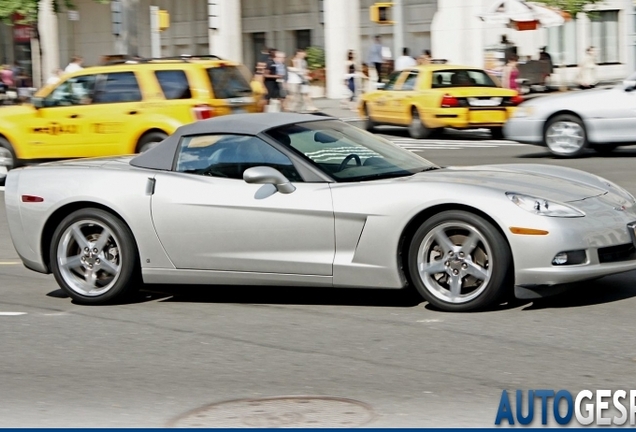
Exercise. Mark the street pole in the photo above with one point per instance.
(155, 36)
(630, 36)
(398, 28)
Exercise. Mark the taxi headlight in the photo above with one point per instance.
(543, 207)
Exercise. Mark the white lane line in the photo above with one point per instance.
(10, 262)
(12, 313)
(2, 188)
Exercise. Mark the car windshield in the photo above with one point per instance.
(461, 78)
(347, 153)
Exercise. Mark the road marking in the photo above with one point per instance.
(12, 313)
(449, 144)
(2, 188)
(10, 262)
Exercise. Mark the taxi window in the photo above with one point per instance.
(410, 82)
(461, 78)
(73, 91)
(117, 87)
(228, 82)
(393, 79)
(174, 84)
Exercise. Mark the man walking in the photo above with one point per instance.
(375, 56)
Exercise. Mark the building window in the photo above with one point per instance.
(258, 45)
(303, 39)
(605, 36)
(562, 44)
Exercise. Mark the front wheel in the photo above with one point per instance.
(565, 136)
(460, 262)
(369, 124)
(8, 160)
(94, 257)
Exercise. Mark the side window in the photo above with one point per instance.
(174, 84)
(410, 82)
(117, 87)
(73, 91)
(393, 78)
(228, 156)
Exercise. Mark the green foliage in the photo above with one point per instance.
(29, 9)
(572, 7)
(315, 58)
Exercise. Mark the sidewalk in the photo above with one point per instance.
(332, 107)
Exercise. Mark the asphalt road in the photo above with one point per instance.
(175, 350)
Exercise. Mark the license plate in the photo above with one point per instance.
(477, 117)
(492, 102)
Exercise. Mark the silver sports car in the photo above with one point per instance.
(307, 200)
(568, 123)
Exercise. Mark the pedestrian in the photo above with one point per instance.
(510, 74)
(298, 83)
(587, 70)
(510, 49)
(375, 56)
(281, 71)
(55, 77)
(426, 58)
(75, 65)
(405, 60)
(258, 87)
(270, 77)
(350, 80)
(7, 77)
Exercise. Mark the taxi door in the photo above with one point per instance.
(404, 98)
(60, 126)
(382, 103)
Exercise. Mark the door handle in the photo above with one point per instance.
(132, 112)
(74, 116)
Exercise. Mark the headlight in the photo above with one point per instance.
(524, 111)
(543, 207)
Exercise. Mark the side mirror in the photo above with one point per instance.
(629, 85)
(268, 175)
(38, 102)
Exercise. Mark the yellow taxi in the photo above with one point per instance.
(121, 108)
(432, 97)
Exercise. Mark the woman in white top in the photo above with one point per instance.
(587, 70)
(298, 83)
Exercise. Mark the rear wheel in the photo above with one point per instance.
(460, 262)
(94, 258)
(150, 140)
(417, 129)
(497, 133)
(565, 136)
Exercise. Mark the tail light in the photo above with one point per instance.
(516, 100)
(203, 112)
(449, 101)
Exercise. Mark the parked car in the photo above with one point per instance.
(121, 108)
(432, 97)
(570, 123)
(305, 200)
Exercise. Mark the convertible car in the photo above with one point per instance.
(307, 200)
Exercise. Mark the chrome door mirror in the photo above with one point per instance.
(629, 85)
(268, 175)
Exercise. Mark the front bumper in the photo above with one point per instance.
(524, 130)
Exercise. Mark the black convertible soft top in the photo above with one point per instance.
(162, 156)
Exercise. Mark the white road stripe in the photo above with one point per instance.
(2, 188)
(12, 313)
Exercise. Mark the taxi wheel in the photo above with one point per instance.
(7, 156)
(369, 124)
(150, 140)
(497, 133)
(417, 129)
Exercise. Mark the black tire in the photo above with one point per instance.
(604, 149)
(369, 124)
(490, 254)
(116, 289)
(150, 140)
(417, 130)
(574, 121)
(7, 157)
(497, 133)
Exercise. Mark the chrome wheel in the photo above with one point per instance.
(565, 137)
(6, 158)
(89, 257)
(454, 262)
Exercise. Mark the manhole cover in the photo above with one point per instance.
(292, 411)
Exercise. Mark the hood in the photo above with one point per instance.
(7, 111)
(552, 186)
(573, 98)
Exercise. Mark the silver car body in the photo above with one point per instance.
(204, 230)
(609, 115)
